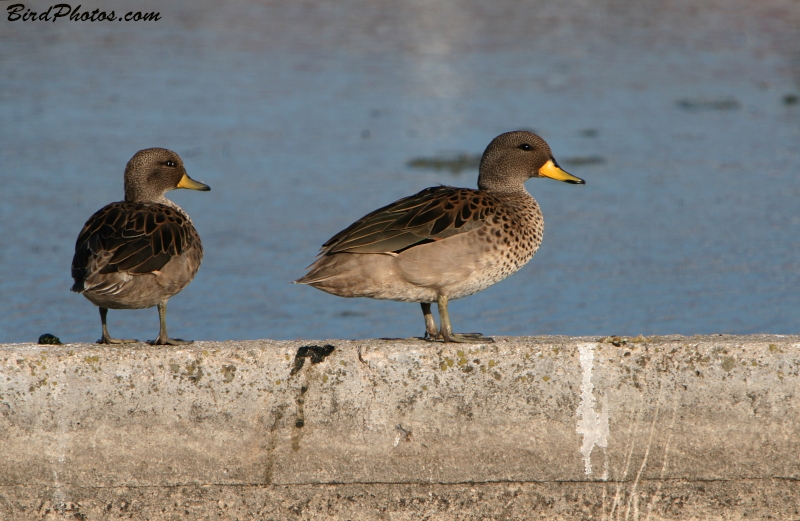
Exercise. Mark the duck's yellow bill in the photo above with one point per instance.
(553, 171)
(191, 184)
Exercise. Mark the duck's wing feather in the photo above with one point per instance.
(430, 215)
(130, 237)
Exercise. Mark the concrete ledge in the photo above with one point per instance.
(526, 428)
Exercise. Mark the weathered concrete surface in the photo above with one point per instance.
(526, 428)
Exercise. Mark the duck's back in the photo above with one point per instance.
(134, 255)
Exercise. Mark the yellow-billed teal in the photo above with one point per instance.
(139, 252)
(445, 243)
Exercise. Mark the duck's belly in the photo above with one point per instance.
(479, 280)
(465, 264)
(123, 290)
(455, 267)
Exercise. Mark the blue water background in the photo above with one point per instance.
(302, 117)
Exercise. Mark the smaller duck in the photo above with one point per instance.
(139, 252)
(445, 243)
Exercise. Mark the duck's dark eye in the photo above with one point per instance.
(170, 163)
(525, 146)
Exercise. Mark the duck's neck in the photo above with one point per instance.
(166, 202)
(514, 191)
(172, 204)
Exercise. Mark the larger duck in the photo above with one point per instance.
(445, 243)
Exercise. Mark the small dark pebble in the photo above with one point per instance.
(47, 338)
(791, 99)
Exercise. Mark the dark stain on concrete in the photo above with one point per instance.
(300, 421)
(271, 444)
(315, 353)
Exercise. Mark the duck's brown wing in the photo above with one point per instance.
(130, 237)
(430, 215)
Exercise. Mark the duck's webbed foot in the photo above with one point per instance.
(108, 340)
(468, 338)
(167, 341)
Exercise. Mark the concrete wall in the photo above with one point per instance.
(526, 428)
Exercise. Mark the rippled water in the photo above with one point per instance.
(303, 116)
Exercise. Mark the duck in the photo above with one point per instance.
(445, 243)
(137, 253)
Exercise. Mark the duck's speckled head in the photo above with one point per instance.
(152, 172)
(513, 158)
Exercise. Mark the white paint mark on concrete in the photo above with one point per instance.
(593, 425)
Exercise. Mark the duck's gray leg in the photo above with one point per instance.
(106, 338)
(446, 332)
(164, 339)
(431, 332)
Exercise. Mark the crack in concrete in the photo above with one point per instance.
(405, 483)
